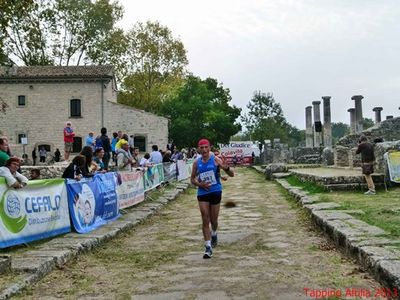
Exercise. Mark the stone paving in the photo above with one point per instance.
(267, 250)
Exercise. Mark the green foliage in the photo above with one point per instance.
(200, 108)
(339, 130)
(154, 66)
(367, 123)
(56, 32)
(265, 120)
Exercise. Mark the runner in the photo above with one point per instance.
(205, 175)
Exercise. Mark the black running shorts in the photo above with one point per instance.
(212, 198)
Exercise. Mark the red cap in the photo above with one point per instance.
(203, 142)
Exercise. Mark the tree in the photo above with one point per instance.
(339, 130)
(367, 123)
(265, 118)
(57, 32)
(201, 108)
(154, 66)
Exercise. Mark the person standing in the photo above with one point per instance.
(90, 140)
(106, 145)
(68, 140)
(205, 175)
(155, 155)
(57, 155)
(42, 154)
(367, 162)
(34, 156)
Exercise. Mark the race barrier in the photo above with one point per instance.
(93, 201)
(45, 208)
(38, 211)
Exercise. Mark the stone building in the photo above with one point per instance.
(41, 99)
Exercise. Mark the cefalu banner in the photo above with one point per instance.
(393, 161)
(93, 201)
(38, 211)
(130, 189)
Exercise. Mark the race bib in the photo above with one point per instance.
(208, 177)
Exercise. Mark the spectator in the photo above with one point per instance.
(34, 156)
(34, 174)
(106, 147)
(171, 146)
(124, 157)
(167, 157)
(75, 169)
(90, 140)
(184, 154)
(42, 154)
(123, 137)
(13, 178)
(135, 157)
(68, 140)
(90, 166)
(145, 161)
(176, 155)
(253, 157)
(131, 142)
(367, 162)
(114, 141)
(98, 159)
(155, 155)
(57, 155)
(3, 151)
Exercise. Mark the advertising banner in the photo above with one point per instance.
(393, 161)
(239, 153)
(38, 211)
(183, 170)
(170, 171)
(92, 201)
(130, 190)
(153, 177)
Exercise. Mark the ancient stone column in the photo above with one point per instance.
(309, 128)
(377, 111)
(359, 116)
(327, 122)
(389, 117)
(317, 124)
(352, 112)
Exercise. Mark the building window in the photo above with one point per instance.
(76, 108)
(21, 138)
(21, 100)
(140, 142)
(77, 145)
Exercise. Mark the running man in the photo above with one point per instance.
(206, 175)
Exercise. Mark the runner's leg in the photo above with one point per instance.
(205, 216)
(214, 213)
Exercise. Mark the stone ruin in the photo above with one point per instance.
(319, 146)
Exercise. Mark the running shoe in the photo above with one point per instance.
(370, 192)
(214, 241)
(207, 252)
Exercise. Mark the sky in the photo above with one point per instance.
(298, 50)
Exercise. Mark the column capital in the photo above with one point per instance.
(326, 97)
(357, 97)
(351, 110)
(316, 102)
(377, 109)
(309, 107)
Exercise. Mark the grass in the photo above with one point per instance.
(307, 186)
(381, 210)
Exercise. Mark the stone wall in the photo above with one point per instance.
(388, 130)
(281, 153)
(46, 172)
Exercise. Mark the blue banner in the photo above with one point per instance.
(92, 201)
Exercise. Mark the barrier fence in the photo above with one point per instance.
(45, 208)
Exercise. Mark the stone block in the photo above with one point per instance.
(322, 206)
(32, 264)
(5, 264)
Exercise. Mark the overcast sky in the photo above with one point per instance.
(299, 50)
